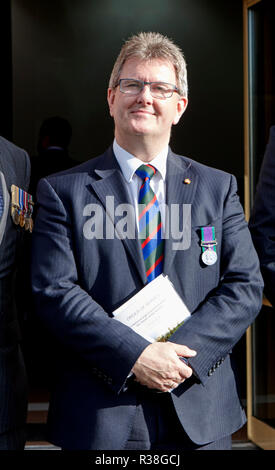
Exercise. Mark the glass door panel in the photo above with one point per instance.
(259, 87)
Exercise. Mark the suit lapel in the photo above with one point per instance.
(6, 203)
(6, 175)
(112, 183)
(178, 192)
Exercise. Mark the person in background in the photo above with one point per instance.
(15, 220)
(113, 388)
(53, 155)
(262, 220)
(54, 138)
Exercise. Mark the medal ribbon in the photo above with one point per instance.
(17, 200)
(25, 202)
(208, 240)
(21, 203)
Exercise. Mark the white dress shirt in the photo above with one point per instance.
(129, 164)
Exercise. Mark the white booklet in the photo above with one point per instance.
(155, 311)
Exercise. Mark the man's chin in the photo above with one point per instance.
(143, 130)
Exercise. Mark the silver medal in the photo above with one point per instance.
(209, 257)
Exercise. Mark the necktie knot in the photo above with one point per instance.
(146, 171)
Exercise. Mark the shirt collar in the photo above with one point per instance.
(129, 163)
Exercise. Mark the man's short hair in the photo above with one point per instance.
(148, 46)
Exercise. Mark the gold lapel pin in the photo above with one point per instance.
(187, 181)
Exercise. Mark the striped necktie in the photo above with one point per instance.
(150, 226)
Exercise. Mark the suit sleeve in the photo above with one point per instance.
(262, 221)
(220, 321)
(69, 312)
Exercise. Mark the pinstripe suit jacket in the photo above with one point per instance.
(14, 169)
(262, 221)
(79, 280)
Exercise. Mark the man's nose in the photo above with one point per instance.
(145, 95)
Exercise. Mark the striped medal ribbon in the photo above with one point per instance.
(150, 225)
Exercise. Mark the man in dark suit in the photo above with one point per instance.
(262, 220)
(114, 389)
(14, 170)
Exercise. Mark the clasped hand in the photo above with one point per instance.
(160, 367)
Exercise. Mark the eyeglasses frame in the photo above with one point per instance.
(174, 88)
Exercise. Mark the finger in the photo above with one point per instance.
(168, 387)
(185, 371)
(183, 350)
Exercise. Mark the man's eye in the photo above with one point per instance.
(132, 85)
(161, 88)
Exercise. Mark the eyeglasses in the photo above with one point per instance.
(160, 90)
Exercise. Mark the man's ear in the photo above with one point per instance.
(110, 98)
(181, 107)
